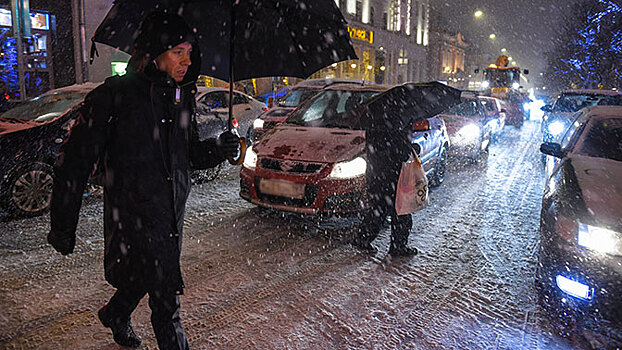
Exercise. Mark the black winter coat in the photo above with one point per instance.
(147, 140)
(388, 146)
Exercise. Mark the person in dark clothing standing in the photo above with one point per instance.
(387, 120)
(140, 129)
(387, 146)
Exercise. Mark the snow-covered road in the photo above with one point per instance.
(259, 279)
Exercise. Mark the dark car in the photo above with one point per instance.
(558, 115)
(30, 138)
(31, 135)
(579, 270)
(292, 99)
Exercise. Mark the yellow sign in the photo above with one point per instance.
(361, 34)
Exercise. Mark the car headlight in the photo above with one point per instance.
(467, 134)
(516, 86)
(485, 84)
(600, 239)
(250, 159)
(258, 124)
(556, 128)
(349, 169)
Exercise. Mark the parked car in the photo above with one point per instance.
(315, 161)
(580, 255)
(31, 134)
(495, 109)
(294, 97)
(557, 116)
(245, 108)
(470, 128)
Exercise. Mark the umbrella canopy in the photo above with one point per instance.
(404, 104)
(242, 39)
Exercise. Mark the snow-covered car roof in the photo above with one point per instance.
(321, 83)
(592, 92)
(358, 87)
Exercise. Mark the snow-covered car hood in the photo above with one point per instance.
(601, 188)
(311, 144)
(455, 122)
(10, 127)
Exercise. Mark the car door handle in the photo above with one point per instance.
(248, 109)
(426, 135)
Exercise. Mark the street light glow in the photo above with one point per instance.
(492, 36)
(478, 14)
(504, 50)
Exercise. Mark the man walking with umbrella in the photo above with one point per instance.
(387, 120)
(140, 129)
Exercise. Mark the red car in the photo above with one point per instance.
(315, 161)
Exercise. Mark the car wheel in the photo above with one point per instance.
(206, 175)
(29, 189)
(440, 170)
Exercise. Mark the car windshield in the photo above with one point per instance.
(328, 108)
(575, 102)
(297, 96)
(45, 107)
(467, 108)
(602, 138)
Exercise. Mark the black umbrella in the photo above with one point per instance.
(242, 39)
(407, 103)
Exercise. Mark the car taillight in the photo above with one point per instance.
(265, 109)
(235, 124)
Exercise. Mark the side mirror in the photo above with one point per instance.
(552, 149)
(526, 71)
(546, 108)
(421, 125)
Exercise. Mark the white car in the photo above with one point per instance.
(245, 108)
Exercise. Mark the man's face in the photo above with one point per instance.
(175, 61)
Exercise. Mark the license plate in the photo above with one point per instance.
(282, 188)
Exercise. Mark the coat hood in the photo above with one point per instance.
(161, 31)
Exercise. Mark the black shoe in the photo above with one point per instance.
(122, 331)
(403, 251)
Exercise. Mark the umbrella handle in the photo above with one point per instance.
(240, 158)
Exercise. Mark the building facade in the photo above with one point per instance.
(390, 39)
(45, 61)
(447, 56)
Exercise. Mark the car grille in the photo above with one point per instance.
(289, 166)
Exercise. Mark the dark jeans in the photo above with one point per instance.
(376, 216)
(164, 315)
